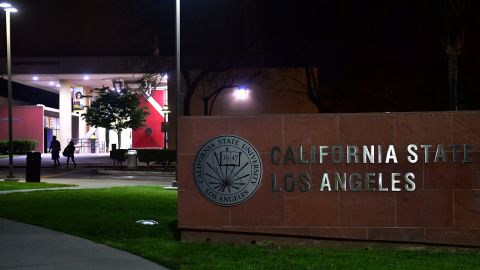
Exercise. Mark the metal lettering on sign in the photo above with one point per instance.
(227, 170)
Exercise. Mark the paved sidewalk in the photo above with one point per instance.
(24, 246)
(82, 160)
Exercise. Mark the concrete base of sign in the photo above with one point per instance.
(298, 241)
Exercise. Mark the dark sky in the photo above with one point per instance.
(281, 28)
(88, 27)
(369, 48)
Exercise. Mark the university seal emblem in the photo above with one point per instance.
(227, 170)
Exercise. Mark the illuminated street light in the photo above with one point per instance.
(9, 9)
(241, 94)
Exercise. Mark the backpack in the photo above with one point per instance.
(66, 153)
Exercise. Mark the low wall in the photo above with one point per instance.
(433, 199)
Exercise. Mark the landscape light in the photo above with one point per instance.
(51, 83)
(147, 222)
(35, 78)
(86, 78)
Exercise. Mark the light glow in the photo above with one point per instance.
(166, 109)
(35, 78)
(86, 78)
(11, 10)
(5, 5)
(51, 83)
(147, 222)
(241, 94)
(58, 85)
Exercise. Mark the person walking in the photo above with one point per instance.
(70, 153)
(55, 150)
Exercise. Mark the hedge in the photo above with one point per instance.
(118, 155)
(20, 147)
(159, 156)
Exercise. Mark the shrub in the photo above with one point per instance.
(118, 155)
(20, 147)
(159, 156)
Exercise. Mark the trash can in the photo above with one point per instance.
(34, 160)
(132, 159)
(92, 146)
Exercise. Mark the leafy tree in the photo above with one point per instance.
(116, 111)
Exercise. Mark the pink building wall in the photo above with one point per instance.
(27, 124)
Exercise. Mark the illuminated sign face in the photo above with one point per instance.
(227, 170)
(364, 154)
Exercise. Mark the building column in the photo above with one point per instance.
(65, 115)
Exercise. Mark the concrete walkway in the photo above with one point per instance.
(25, 246)
(82, 160)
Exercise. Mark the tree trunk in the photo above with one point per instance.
(107, 138)
(205, 105)
(453, 80)
(186, 102)
(119, 136)
(313, 92)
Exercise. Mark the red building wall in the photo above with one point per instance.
(150, 135)
(27, 124)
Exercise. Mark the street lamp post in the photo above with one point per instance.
(179, 92)
(177, 52)
(9, 9)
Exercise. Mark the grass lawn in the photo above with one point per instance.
(108, 216)
(9, 185)
(6, 156)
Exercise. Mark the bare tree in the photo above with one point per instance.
(215, 83)
(324, 95)
(213, 78)
(454, 14)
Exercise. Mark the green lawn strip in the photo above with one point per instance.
(108, 216)
(7, 156)
(9, 185)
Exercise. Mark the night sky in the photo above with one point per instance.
(389, 52)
